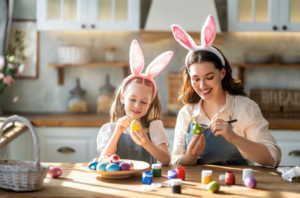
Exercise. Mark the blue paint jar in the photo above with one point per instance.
(172, 174)
(147, 177)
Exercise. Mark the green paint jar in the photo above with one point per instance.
(156, 169)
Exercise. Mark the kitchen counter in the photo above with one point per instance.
(77, 183)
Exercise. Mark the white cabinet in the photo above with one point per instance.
(263, 15)
(289, 142)
(113, 15)
(68, 145)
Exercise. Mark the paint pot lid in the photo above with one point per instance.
(247, 170)
(207, 173)
(175, 182)
(147, 187)
(222, 177)
(157, 185)
(156, 166)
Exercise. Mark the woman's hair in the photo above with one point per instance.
(187, 93)
(154, 112)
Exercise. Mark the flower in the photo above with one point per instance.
(1, 75)
(15, 99)
(11, 66)
(8, 80)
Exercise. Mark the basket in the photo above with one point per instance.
(20, 175)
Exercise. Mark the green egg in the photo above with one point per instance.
(197, 129)
(213, 186)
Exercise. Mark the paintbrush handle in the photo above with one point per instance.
(231, 121)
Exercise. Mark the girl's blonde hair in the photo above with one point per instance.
(154, 112)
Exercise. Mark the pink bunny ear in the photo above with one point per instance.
(208, 32)
(158, 64)
(183, 38)
(137, 60)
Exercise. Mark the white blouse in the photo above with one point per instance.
(250, 124)
(157, 132)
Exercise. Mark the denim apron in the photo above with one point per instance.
(217, 150)
(128, 149)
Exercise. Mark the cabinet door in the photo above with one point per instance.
(290, 15)
(253, 15)
(122, 15)
(68, 145)
(61, 15)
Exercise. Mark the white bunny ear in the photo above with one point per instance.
(158, 64)
(208, 32)
(183, 38)
(137, 60)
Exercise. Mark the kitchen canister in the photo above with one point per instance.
(77, 102)
(106, 97)
(20, 175)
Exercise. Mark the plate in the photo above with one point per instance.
(139, 166)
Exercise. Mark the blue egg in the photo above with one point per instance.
(121, 162)
(93, 165)
(101, 166)
(112, 167)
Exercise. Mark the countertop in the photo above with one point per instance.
(77, 183)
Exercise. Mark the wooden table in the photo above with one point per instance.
(77, 183)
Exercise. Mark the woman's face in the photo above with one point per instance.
(137, 100)
(206, 80)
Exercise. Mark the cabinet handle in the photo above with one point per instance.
(284, 27)
(294, 153)
(65, 150)
(92, 26)
(274, 27)
(83, 26)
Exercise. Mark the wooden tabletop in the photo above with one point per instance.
(77, 183)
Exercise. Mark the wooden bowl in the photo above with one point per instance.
(139, 166)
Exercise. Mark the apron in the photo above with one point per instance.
(128, 149)
(217, 150)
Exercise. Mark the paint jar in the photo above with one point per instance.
(247, 172)
(156, 170)
(206, 176)
(229, 178)
(172, 174)
(176, 185)
(180, 173)
(147, 177)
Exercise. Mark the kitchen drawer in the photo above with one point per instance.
(68, 145)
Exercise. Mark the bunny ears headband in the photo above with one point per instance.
(208, 34)
(137, 65)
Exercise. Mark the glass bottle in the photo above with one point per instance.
(106, 97)
(110, 53)
(76, 102)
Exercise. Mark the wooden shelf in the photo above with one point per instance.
(60, 68)
(154, 36)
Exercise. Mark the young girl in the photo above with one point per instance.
(213, 97)
(137, 99)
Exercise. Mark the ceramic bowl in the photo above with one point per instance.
(290, 58)
(258, 57)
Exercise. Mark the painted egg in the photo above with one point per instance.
(101, 166)
(125, 167)
(114, 159)
(103, 159)
(131, 165)
(95, 159)
(197, 129)
(93, 165)
(121, 162)
(250, 182)
(213, 186)
(135, 125)
(55, 172)
(112, 167)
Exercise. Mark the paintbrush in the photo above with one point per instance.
(230, 121)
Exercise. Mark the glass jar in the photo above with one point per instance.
(76, 102)
(106, 97)
(109, 53)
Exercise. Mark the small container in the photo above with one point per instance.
(176, 185)
(230, 178)
(156, 169)
(147, 177)
(222, 177)
(180, 173)
(172, 174)
(206, 176)
(247, 172)
(76, 102)
(110, 53)
(106, 97)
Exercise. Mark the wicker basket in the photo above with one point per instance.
(22, 175)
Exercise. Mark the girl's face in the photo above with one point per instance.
(137, 100)
(206, 80)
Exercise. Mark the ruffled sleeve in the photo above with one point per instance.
(158, 133)
(104, 135)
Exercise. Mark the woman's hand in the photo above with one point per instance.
(221, 127)
(122, 124)
(196, 145)
(140, 138)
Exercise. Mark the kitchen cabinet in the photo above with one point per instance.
(113, 15)
(68, 145)
(264, 15)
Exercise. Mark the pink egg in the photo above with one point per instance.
(250, 182)
(114, 159)
(125, 167)
(132, 165)
(55, 172)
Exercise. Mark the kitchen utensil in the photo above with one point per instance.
(290, 57)
(258, 57)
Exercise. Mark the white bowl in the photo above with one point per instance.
(290, 58)
(258, 57)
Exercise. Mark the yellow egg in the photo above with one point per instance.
(135, 125)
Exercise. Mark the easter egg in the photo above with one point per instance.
(125, 167)
(112, 167)
(197, 129)
(250, 182)
(103, 159)
(131, 165)
(121, 162)
(93, 165)
(213, 186)
(101, 166)
(135, 125)
(114, 159)
(95, 159)
(55, 172)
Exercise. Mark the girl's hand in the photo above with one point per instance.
(196, 145)
(140, 138)
(122, 124)
(221, 127)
